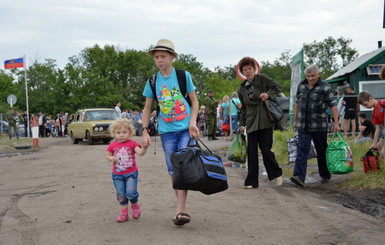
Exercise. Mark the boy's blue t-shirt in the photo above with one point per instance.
(174, 112)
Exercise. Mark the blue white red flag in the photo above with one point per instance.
(14, 63)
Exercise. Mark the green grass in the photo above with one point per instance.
(358, 177)
(9, 145)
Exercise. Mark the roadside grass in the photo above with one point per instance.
(358, 178)
(9, 145)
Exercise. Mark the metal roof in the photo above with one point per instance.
(360, 62)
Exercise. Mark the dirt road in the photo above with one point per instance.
(63, 194)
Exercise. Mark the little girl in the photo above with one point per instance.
(121, 153)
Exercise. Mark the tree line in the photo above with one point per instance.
(99, 76)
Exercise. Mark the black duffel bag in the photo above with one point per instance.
(198, 170)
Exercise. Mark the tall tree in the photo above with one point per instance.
(330, 54)
(8, 87)
(279, 70)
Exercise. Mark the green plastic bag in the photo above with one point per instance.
(237, 151)
(339, 156)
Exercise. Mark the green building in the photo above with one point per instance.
(363, 75)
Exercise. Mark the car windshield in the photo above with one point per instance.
(101, 115)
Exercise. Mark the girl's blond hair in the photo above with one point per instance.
(122, 123)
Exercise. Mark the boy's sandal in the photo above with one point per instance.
(181, 219)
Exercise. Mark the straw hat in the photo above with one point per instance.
(163, 45)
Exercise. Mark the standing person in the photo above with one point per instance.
(18, 119)
(211, 115)
(313, 98)
(367, 129)
(125, 114)
(42, 124)
(118, 104)
(139, 123)
(341, 112)
(258, 126)
(134, 120)
(10, 119)
(121, 152)
(27, 124)
(202, 121)
(378, 114)
(224, 116)
(235, 106)
(176, 119)
(350, 103)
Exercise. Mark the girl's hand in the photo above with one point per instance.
(146, 139)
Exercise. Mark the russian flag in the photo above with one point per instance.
(14, 63)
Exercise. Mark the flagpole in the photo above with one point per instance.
(26, 95)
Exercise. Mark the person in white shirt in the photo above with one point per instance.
(117, 108)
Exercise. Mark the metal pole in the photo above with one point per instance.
(231, 120)
(26, 94)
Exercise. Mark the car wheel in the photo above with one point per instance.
(73, 139)
(89, 138)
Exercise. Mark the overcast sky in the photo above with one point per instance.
(216, 32)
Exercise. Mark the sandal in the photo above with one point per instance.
(181, 219)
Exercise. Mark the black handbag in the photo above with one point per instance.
(198, 170)
(273, 107)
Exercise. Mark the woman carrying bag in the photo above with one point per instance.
(255, 117)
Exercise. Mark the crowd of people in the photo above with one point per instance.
(219, 117)
(55, 126)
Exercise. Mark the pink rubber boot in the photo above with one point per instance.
(135, 211)
(123, 217)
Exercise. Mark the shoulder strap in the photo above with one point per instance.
(182, 82)
(235, 104)
(152, 81)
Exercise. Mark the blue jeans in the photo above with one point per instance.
(126, 186)
(234, 123)
(320, 143)
(171, 142)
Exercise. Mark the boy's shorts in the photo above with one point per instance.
(172, 142)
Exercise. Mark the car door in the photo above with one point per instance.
(74, 126)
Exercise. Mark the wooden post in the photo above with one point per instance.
(35, 131)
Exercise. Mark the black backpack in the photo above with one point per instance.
(181, 77)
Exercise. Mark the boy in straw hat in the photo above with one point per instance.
(177, 119)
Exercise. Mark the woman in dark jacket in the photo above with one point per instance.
(252, 94)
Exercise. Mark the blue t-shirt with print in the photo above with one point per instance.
(174, 112)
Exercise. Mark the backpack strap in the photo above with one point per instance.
(152, 81)
(182, 82)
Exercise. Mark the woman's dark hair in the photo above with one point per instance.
(246, 62)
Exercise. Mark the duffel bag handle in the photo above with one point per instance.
(197, 144)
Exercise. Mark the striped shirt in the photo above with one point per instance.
(313, 103)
